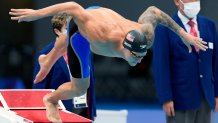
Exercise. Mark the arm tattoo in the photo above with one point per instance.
(169, 22)
(155, 16)
(148, 17)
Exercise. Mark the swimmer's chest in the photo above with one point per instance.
(105, 49)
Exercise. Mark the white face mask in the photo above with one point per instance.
(191, 9)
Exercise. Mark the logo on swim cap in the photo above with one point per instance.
(135, 41)
(130, 37)
(143, 46)
(127, 44)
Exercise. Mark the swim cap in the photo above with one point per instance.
(135, 41)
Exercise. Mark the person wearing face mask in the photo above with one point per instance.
(187, 83)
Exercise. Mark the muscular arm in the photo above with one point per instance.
(68, 8)
(153, 16)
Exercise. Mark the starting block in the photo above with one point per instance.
(26, 106)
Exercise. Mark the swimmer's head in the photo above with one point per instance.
(59, 24)
(135, 41)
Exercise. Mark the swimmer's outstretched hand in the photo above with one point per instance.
(24, 15)
(191, 40)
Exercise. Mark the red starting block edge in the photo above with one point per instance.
(25, 98)
(3, 103)
(24, 113)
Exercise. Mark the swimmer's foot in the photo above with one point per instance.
(45, 67)
(52, 111)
